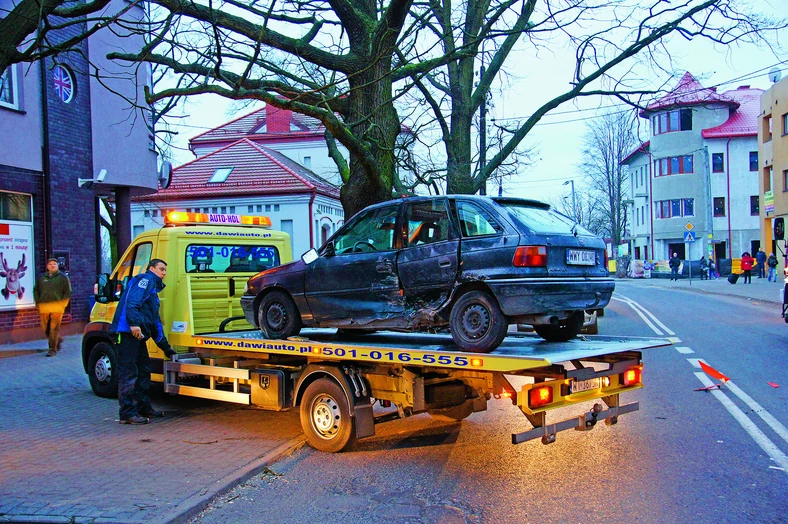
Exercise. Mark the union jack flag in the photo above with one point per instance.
(64, 86)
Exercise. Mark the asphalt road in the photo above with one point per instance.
(686, 456)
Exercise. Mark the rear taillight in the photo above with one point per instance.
(541, 396)
(530, 256)
(606, 259)
(632, 376)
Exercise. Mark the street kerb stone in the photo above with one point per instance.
(64, 454)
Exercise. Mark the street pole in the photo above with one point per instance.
(482, 135)
(574, 200)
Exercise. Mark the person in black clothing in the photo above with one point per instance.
(704, 269)
(760, 258)
(136, 320)
(674, 264)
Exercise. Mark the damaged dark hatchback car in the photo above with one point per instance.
(470, 264)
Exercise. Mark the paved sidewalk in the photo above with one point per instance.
(65, 458)
(760, 289)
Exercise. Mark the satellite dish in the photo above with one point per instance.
(774, 75)
(165, 174)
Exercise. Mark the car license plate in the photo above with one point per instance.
(576, 257)
(576, 386)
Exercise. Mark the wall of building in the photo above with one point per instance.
(21, 128)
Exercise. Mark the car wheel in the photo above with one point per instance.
(278, 316)
(452, 414)
(103, 370)
(325, 417)
(477, 322)
(568, 330)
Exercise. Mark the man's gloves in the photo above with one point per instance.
(166, 347)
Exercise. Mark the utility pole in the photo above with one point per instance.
(574, 201)
(482, 134)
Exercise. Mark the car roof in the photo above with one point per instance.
(499, 200)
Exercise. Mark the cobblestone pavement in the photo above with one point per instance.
(65, 458)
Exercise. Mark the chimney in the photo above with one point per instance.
(277, 120)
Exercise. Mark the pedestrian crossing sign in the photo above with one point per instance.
(689, 236)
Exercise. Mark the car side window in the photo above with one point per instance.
(373, 231)
(475, 221)
(428, 222)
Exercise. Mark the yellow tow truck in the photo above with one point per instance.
(336, 380)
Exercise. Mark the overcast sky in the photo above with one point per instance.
(557, 139)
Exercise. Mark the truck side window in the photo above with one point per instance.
(140, 256)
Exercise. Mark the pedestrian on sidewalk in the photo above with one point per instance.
(136, 320)
(713, 269)
(674, 264)
(772, 263)
(746, 266)
(704, 268)
(51, 294)
(760, 258)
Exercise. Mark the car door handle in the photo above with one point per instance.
(384, 267)
(444, 262)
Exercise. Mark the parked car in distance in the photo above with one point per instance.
(472, 264)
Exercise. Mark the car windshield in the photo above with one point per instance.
(541, 220)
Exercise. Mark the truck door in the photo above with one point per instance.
(428, 262)
(357, 280)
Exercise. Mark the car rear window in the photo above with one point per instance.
(541, 220)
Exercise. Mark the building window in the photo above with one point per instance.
(250, 209)
(682, 207)
(718, 162)
(232, 209)
(785, 179)
(146, 213)
(767, 128)
(719, 206)
(670, 121)
(259, 209)
(214, 210)
(674, 165)
(63, 83)
(220, 175)
(308, 162)
(785, 124)
(755, 205)
(276, 207)
(155, 213)
(268, 208)
(9, 91)
(753, 161)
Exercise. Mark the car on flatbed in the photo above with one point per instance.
(470, 264)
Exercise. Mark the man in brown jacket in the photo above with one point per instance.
(52, 293)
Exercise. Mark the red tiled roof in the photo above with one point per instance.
(686, 93)
(744, 120)
(642, 148)
(248, 125)
(257, 170)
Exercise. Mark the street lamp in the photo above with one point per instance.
(574, 200)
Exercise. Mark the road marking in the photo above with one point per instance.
(641, 315)
(674, 340)
(634, 305)
(780, 458)
(695, 363)
(767, 417)
(684, 349)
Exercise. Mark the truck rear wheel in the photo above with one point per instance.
(477, 322)
(278, 316)
(325, 417)
(103, 370)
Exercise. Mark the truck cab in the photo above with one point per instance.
(209, 257)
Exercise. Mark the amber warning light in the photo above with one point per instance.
(180, 218)
(540, 396)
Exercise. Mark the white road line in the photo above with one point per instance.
(695, 362)
(647, 321)
(649, 313)
(684, 350)
(767, 417)
(779, 458)
(674, 340)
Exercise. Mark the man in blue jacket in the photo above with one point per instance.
(136, 320)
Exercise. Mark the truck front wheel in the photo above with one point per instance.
(103, 370)
(325, 417)
(278, 316)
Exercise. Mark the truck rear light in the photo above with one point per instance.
(632, 376)
(541, 396)
(530, 256)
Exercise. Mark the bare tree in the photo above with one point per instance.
(607, 142)
(585, 211)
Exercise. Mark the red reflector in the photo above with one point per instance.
(632, 376)
(540, 396)
(530, 256)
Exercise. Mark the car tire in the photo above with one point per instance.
(452, 414)
(103, 370)
(568, 330)
(278, 316)
(325, 417)
(477, 323)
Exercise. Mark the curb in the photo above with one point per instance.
(721, 294)
(20, 352)
(193, 505)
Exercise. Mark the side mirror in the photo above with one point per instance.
(310, 256)
(102, 290)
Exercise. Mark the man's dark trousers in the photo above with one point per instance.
(133, 376)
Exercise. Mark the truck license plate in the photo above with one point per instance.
(576, 386)
(576, 257)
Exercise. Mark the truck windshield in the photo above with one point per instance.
(228, 258)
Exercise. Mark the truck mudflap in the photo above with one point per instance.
(585, 422)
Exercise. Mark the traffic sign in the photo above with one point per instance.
(689, 236)
(689, 226)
